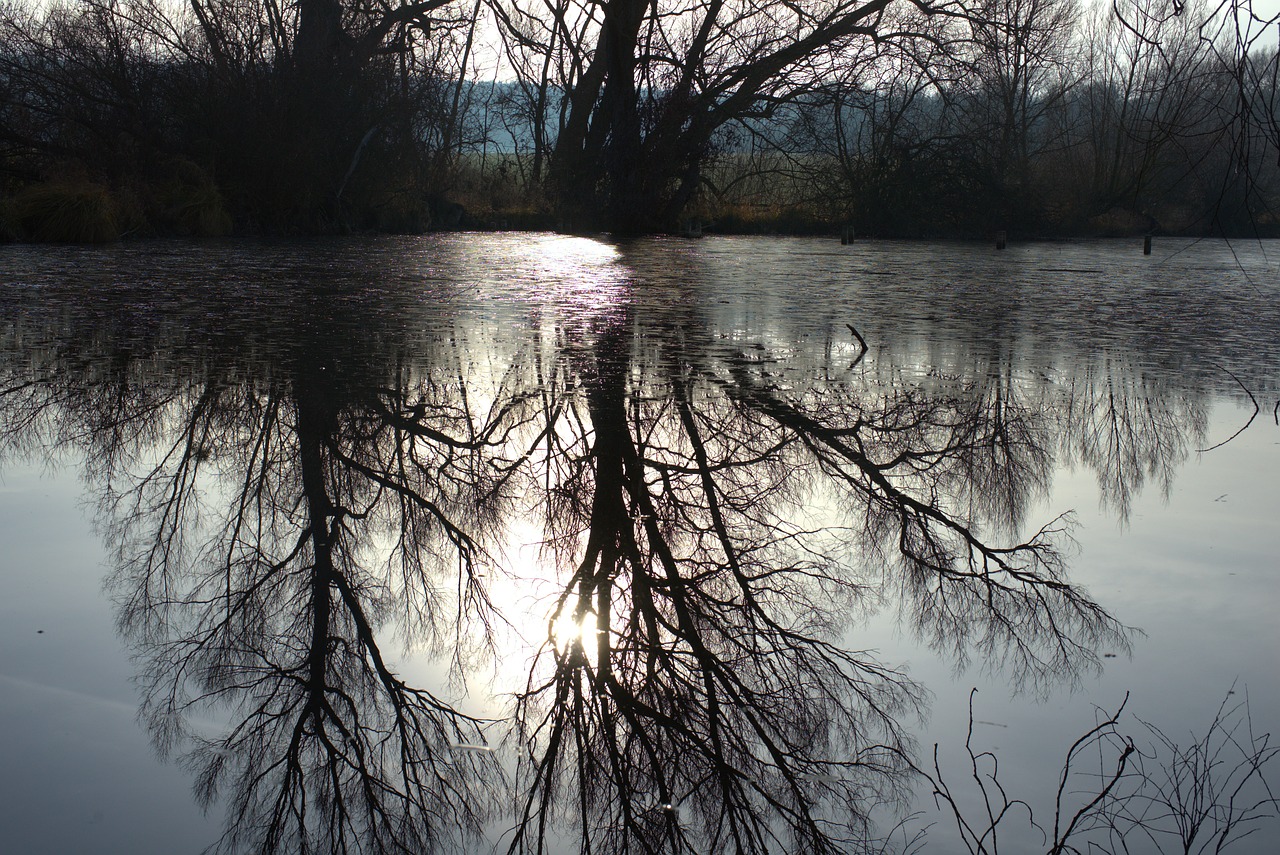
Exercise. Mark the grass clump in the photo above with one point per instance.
(192, 204)
(63, 212)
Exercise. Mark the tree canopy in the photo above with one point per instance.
(945, 116)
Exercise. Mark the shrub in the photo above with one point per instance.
(64, 212)
(192, 203)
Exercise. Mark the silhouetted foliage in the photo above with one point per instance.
(315, 115)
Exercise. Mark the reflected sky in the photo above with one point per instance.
(358, 491)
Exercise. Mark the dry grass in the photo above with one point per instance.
(64, 212)
(193, 203)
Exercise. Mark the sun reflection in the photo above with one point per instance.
(582, 272)
(569, 630)
(573, 251)
(540, 623)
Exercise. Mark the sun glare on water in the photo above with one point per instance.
(573, 251)
(569, 630)
(582, 272)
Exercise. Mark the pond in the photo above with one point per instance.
(524, 540)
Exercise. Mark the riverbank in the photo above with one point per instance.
(189, 204)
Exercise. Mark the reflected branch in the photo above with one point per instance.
(270, 529)
(328, 749)
(1012, 604)
(1256, 409)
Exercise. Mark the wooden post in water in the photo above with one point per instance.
(1002, 237)
(1146, 245)
(846, 234)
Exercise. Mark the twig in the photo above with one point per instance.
(862, 342)
(1256, 410)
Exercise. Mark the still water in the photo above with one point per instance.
(469, 541)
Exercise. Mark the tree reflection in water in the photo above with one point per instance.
(268, 520)
(706, 707)
(282, 498)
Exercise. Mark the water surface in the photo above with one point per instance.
(691, 539)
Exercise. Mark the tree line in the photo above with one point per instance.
(893, 117)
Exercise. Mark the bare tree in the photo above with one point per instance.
(1020, 75)
(648, 87)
